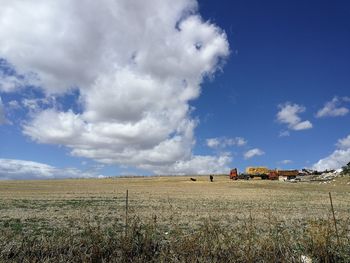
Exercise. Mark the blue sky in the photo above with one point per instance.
(283, 51)
(185, 88)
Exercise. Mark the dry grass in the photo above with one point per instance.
(173, 219)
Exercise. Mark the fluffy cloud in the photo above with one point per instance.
(286, 162)
(225, 142)
(288, 114)
(136, 65)
(71, 47)
(333, 109)
(284, 134)
(200, 165)
(213, 142)
(2, 113)
(253, 152)
(344, 143)
(13, 104)
(339, 158)
(304, 125)
(20, 169)
(10, 80)
(336, 160)
(8, 83)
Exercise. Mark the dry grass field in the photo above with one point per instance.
(238, 221)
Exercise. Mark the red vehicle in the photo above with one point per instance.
(273, 175)
(290, 174)
(234, 175)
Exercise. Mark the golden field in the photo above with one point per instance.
(42, 208)
(173, 196)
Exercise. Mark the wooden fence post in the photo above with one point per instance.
(335, 222)
(126, 211)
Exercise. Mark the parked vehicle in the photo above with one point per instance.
(234, 175)
(251, 172)
(289, 174)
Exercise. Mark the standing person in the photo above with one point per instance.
(211, 178)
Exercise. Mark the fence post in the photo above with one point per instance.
(335, 222)
(126, 211)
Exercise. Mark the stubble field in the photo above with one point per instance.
(173, 219)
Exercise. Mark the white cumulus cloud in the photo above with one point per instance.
(333, 109)
(136, 65)
(200, 165)
(344, 143)
(213, 142)
(9, 81)
(253, 152)
(223, 142)
(337, 159)
(13, 104)
(288, 114)
(286, 161)
(11, 169)
(302, 126)
(284, 133)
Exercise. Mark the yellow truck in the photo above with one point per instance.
(257, 170)
(251, 172)
(262, 172)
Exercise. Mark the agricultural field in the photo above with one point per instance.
(174, 219)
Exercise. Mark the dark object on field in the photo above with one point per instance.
(193, 179)
(346, 169)
(234, 174)
(211, 178)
